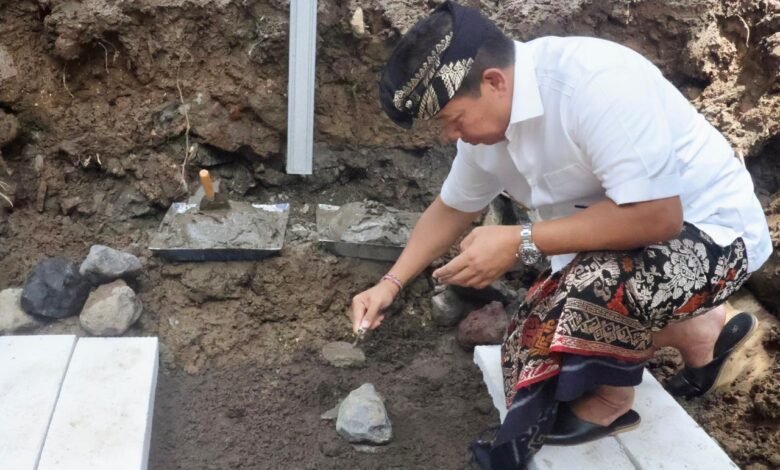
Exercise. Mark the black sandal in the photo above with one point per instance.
(693, 382)
(569, 430)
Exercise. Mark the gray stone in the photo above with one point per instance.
(363, 418)
(55, 289)
(104, 264)
(332, 413)
(12, 318)
(368, 449)
(448, 308)
(110, 310)
(343, 354)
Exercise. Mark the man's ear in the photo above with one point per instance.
(495, 79)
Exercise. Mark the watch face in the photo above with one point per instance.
(531, 255)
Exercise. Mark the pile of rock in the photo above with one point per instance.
(476, 326)
(59, 288)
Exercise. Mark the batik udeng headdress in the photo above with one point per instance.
(440, 75)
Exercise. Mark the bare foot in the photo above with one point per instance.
(605, 405)
(694, 338)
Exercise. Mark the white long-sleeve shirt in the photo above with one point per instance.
(591, 120)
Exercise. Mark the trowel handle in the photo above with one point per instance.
(205, 181)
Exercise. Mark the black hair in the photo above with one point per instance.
(498, 51)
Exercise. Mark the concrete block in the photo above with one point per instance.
(243, 232)
(367, 230)
(668, 436)
(31, 372)
(103, 418)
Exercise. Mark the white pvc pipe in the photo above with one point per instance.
(300, 90)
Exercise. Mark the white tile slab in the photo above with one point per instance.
(31, 372)
(103, 417)
(602, 454)
(488, 359)
(668, 437)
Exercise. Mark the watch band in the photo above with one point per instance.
(528, 252)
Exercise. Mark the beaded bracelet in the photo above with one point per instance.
(394, 280)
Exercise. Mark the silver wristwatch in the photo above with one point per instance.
(527, 252)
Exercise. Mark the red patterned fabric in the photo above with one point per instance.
(609, 303)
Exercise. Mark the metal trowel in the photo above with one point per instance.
(211, 200)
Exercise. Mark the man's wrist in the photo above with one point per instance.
(393, 280)
(527, 251)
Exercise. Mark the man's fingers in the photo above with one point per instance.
(450, 269)
(372, 312)
(359, 309)
(466, 278)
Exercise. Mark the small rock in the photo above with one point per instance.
(67, 45)
(9, 128)
(483, 405)
(12, 318)
(448, 308)
(332, 413)
(69, 204)
(7, 66)
(366, 449)
(104, 264)
(332, 448)
(55, 289)
(484, 326)
(363, 418)
(343, 354)
(110, 310)
(357, 23)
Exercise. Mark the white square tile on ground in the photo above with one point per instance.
(31, 372)
(602, 454)
(667, 439)
(104, 414)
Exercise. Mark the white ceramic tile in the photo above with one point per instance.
(31, 372)
(668, 438)
(103, 417)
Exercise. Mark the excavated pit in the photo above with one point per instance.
(101, 101)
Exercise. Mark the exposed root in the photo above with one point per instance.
(747, 29)
(188, 150)
(65, 83)
(4, 187)
(105, 50)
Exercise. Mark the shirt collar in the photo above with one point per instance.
(526, 100)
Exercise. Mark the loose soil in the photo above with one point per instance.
(107, 99)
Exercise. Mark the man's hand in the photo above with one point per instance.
(486, 254)
(367, 306)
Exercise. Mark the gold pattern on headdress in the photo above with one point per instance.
(453, 74)
(429, 105)
(424, 73)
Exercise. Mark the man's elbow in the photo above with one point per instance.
(669, 219)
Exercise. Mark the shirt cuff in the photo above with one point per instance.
(645, 189)
(451, 199)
